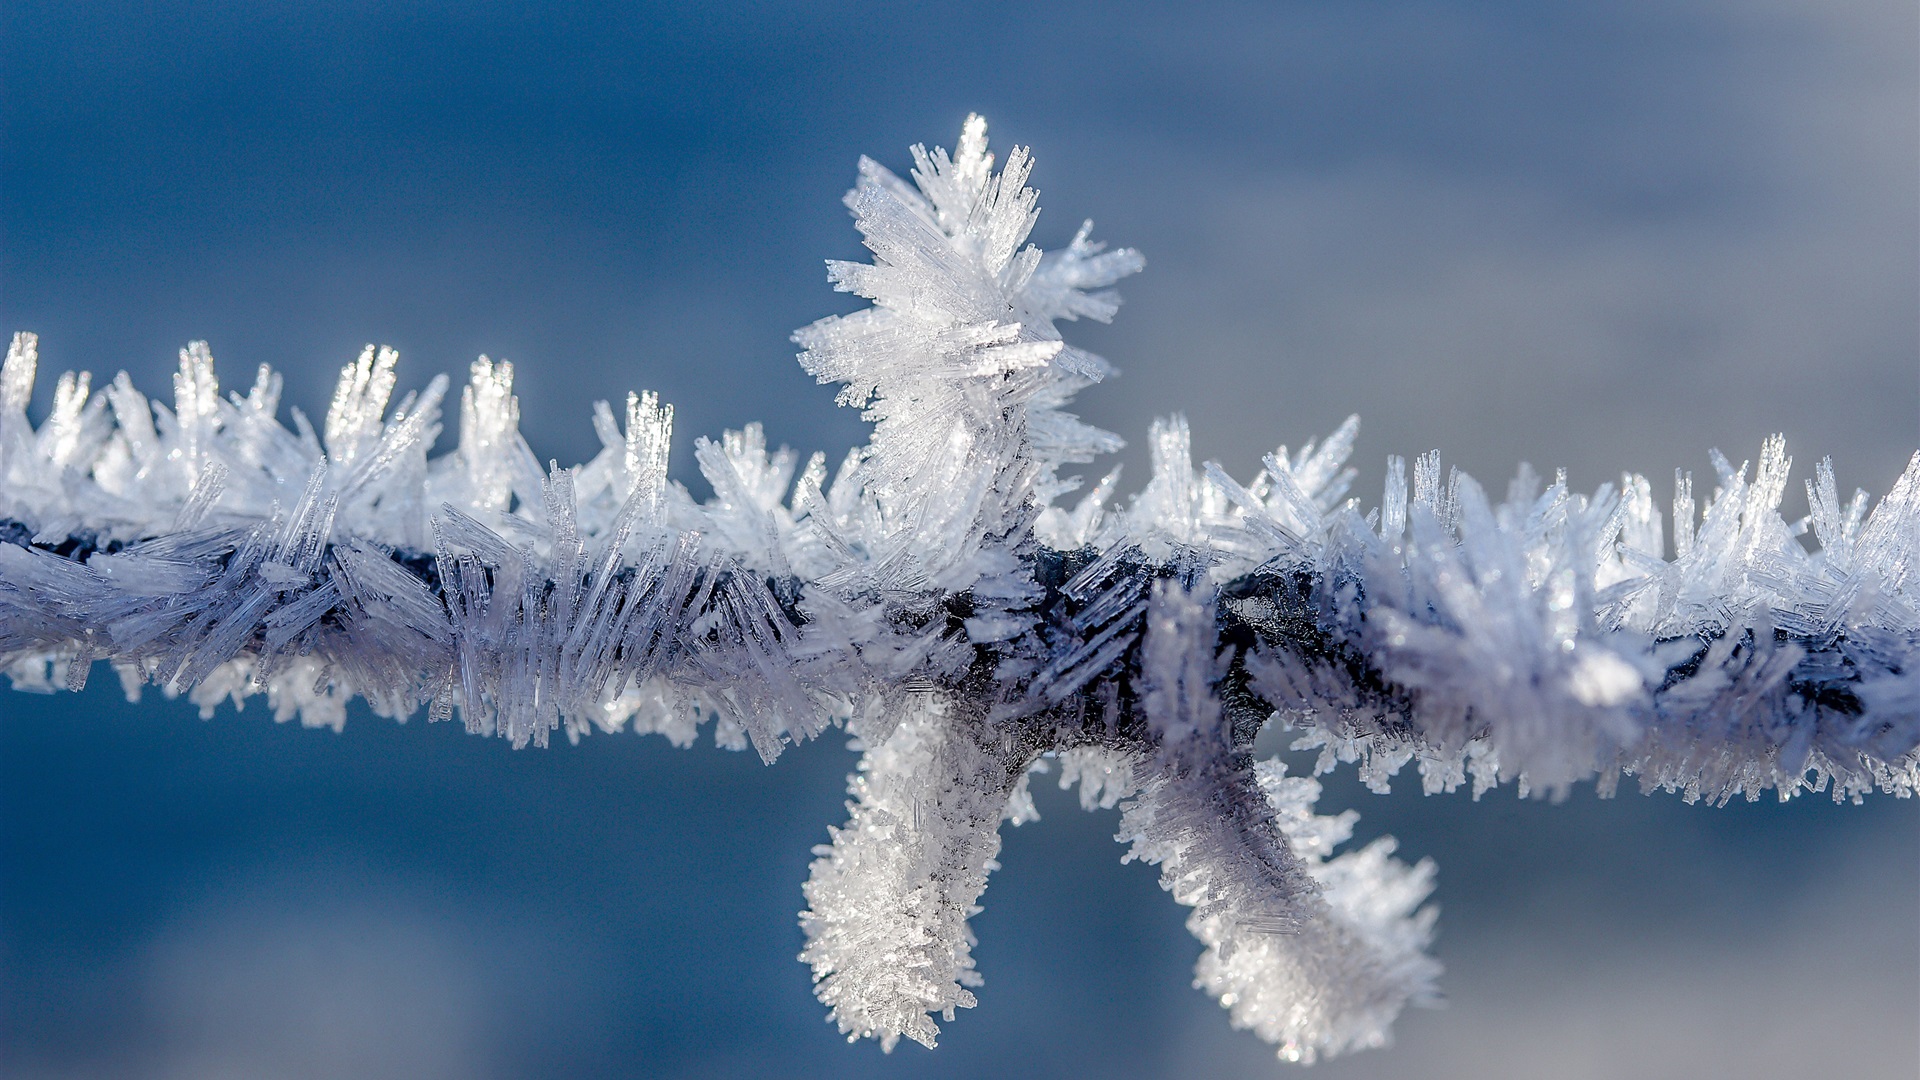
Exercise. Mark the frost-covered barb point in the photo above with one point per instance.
(936, 599)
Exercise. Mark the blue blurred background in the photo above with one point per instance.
(1603, 237)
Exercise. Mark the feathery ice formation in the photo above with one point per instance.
(938, 600)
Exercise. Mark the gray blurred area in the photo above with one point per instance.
(1599, 237)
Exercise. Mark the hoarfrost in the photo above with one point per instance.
(938, 599)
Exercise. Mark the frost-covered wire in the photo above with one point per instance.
(940, 599)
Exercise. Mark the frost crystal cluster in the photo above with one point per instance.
(938, 597)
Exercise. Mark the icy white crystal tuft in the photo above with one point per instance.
(931, 596)
(889, 898)
(1337, 981)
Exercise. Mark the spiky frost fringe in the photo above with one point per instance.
(936, 598)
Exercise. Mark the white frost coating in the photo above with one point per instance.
(1315, 956)
(889, 898)
(958, 361)
(929, 595)
(1545, 639)
(1338, 981)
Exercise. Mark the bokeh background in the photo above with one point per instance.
(1598, 236)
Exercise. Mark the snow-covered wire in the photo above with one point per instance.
(939, 600)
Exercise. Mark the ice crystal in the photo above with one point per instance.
(938, 600)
